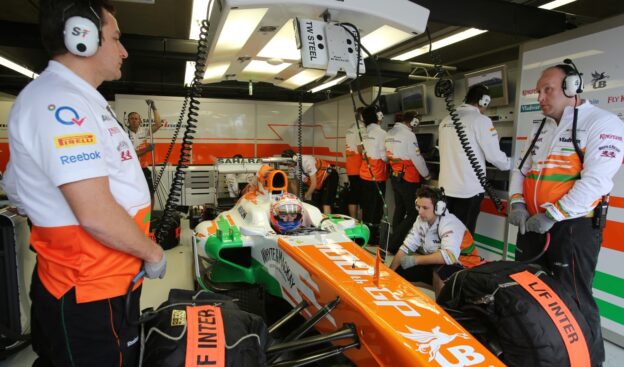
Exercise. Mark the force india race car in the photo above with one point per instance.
(323, 261)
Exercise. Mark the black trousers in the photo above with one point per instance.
(571, 258)
(66, 333)
(355, 183)
(150, 183)
(327, 194)
(372, 207)
(404, 211)
(466, 209)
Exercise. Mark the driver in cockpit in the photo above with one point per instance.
(286, 214)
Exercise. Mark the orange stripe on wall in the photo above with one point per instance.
(613, 235)
(616, 201)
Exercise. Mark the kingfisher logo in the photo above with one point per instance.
(530, 107)
(67, 115)
(74, 140)
(80, 157)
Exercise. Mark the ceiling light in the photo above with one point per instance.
(214, 72)
(458, 37)
(555, 4)
(282, 45)
(20, 69)
(239, 25)
(199, 13)
(302, 78)
(329, 84)
(262, 69)
(384, 37)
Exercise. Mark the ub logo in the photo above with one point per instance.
(432, 341)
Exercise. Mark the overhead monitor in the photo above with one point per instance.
(414, 99)
(390, 103)
(495, 78)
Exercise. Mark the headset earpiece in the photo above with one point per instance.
(80, 34)
(440, 204)
(485, 100)
(414, 122)
(573, 82)
(380, 115)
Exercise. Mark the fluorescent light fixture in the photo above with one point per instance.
(458, 37)
(557, 60)
(20, 69)
(282, 45)
(199, 13)
(263, 68)
(189, 72)
(215, 71)
(384, 37)
(555, 4)
(238, 27)
(302, 78)
(329, 84)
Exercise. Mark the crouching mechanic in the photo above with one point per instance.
(286, 214)
(320, 177)
(437, 246)
(74, 172)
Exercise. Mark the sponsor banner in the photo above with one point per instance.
(205, 339)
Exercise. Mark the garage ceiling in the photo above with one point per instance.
(156, 38)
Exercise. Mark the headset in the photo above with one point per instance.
(379, 113)
(415, 121)
(439, 207)
(573, 81)
(80, 34)
(480, 93)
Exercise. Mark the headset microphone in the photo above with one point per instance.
(573, 82)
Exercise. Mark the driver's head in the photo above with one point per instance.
(286, 213)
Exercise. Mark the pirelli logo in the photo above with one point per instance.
(74, 140)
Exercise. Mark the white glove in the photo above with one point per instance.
(518, 216)
(156, 269)
(408, 261)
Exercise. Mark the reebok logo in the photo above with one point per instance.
(81, 157)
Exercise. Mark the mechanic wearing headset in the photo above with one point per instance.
(437, 246)
(73, 171)
(140, 137)
(559, 184)
(320, 177)
(408, 170)
(457, 176)
(373, 139)
(353, 163)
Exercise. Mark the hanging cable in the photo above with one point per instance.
(445, 88)
(300, 147)
(167, 221)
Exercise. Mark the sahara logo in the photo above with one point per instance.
(66, 115)
(599, 79)
(74, 140)
(432, 341)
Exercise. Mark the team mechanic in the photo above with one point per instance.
(437, 246)
(556, 191)
(457, 176)
(89, 205)
(353, 162)
(373, 171)
(320, 177)
(408, 169)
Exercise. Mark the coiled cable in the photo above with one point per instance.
(167, 222)
(300, 147)
(445, 88)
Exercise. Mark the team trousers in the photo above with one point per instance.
(466, 209)
(66, 333)
(404, 211)
(372, 207)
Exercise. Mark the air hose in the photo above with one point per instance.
(300, 148)
(173, 140)
(445, 88)
(167, 222)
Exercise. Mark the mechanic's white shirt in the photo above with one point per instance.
(309, 167)
(446, 233)
(374, 140)
(401, 144)
(140, 137)
(67, 136)
(456, 174)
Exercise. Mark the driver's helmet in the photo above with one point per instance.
(286, 213)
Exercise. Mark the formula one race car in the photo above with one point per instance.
(317, 263)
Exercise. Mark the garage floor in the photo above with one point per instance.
(179, 275)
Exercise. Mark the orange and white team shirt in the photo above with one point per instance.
(313, 166)
(354, 158)
(61, 130)
(553, 179)
(404, 155)
(374, 141)
(139, 140)
(448, 235)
